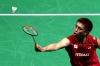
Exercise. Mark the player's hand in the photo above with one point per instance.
(38, 48)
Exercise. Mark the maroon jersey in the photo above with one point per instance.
(83, 54)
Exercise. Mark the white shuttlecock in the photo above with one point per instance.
(14, 9)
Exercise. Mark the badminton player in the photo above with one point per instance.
(81, 46)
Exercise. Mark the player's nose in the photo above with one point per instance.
(76, 29)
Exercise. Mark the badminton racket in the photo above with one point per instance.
(31, 31)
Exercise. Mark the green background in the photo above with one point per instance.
(17, 48)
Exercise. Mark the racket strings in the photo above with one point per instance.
(30, 30)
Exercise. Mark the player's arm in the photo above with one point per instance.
(55, 46)
(98, 43)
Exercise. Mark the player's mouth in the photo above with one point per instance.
(74, 33)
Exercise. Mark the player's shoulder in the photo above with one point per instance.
(72, 39)
(71, 36)
(91, 37)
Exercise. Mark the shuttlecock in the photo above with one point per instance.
(14, 9)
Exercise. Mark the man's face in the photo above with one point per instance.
(79, 29)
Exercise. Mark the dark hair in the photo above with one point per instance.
(88, 24)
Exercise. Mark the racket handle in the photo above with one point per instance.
(37, 48)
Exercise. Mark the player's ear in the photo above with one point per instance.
(86, 32)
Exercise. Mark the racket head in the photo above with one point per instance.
(30, 30)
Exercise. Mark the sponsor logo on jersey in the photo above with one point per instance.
(89, 47)
(94, 38)
(76, 46)
(82, 54)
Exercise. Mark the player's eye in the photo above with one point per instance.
(80, 28)
(76, 26)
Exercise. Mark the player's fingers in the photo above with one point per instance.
(38, 48)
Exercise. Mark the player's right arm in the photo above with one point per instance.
(54, 46)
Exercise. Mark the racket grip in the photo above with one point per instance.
(37, 48)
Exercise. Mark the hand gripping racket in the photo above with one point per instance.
(31, 31)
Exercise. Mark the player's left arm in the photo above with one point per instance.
(98, 40)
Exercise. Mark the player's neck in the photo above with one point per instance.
(82, 39)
